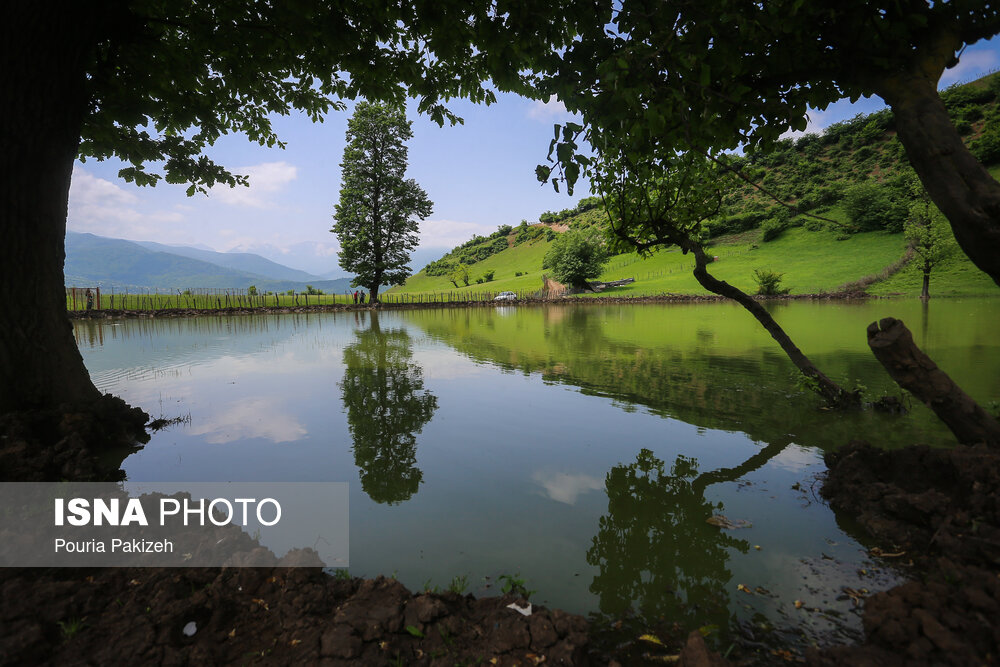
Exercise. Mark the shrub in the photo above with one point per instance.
(441, 267)
(772, 228)
(870, 206)
(987, 147)
(769, 282)
(488, 276)
(813, 225)
(576, 256)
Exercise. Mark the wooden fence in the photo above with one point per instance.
(217, 299)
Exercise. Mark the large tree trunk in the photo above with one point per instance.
(925, 292)
(956, 181)
(43, 104)
(831, 392)
(892, 344)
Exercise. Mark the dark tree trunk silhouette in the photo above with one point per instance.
(831, 392)
(43, 105)
(914, 371)
(956, 181)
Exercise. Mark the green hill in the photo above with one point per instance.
(817, 245)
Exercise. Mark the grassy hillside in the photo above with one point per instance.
(811, 261)
(824, 176)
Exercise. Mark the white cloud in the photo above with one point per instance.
(796, 458)
(255, 418)
(564, 488)
(266, 179)
(552, 109)
(450, 233)
(101, 207)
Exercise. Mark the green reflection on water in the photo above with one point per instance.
(712, 366)
(385, 411)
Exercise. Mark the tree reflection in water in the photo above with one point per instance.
(387, 406)
(657, 554)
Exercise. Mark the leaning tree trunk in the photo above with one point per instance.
(43, 104)
(955, 180)
(892, 344)
(831, 392)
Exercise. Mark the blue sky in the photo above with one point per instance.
(479, 175)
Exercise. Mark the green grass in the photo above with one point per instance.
(811, 262)
(525, 258)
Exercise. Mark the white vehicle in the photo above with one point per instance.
(505, 296)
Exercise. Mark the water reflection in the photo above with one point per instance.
(706, 366)
(654, 548)
(387, 406)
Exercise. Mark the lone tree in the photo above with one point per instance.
(158, 82)
(651, 79)
(928, 236)
(377, 219)
(576, 256)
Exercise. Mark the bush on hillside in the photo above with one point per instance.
(871, 206)
(769, 282)
(575, 257)
(987, 147)
(772, 228)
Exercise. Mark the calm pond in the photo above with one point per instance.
(581, 447)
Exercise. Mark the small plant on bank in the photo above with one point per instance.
(769, 282)
(514, 583)
(71, 627)
(458, 584)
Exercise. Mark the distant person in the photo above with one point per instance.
(363, 295)
(90, 300)
(355, 297)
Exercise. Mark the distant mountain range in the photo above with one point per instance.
(96, 260)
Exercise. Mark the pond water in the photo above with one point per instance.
(582, 448)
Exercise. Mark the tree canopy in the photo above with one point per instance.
(712, 75)
(377, 218)
(576, 256)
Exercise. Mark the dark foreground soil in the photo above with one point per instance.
(937, 510)
(266, 616)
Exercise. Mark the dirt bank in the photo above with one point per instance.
(938, 512)
(267, 616)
